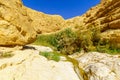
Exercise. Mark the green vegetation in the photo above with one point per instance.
(51, 55)
(105, 47)
(91, 41)
(68, 41)
(65, 41)
(6, 55)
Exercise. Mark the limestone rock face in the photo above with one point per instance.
(105, 16)
(27, 64)
(15, 24)
(100, 66)
(19, 24)
(44, 23)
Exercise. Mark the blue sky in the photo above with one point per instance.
(65, 8)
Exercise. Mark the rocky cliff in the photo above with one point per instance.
(106, 17)
(44, 23)
(15, 24)
(19, 24)
(26, 23)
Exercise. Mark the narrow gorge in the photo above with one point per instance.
(39, 46)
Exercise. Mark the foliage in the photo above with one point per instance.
(68, 41)
(65, 41)
(104, 46)
(51, 55)
(91, 41)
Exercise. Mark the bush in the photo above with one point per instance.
(68, 41)
(65, 41)
(104, 46)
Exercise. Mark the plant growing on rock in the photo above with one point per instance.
(51, 55)
(65, 41)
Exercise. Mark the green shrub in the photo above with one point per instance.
(51, 55)
(68, 41)
(104, 46)
(65, 41)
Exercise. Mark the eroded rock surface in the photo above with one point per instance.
(27, 64)
(44, 23)
(15, 24)
(100, 66)
(106, 17)
(19, 24)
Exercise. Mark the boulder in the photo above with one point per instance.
(100, 66)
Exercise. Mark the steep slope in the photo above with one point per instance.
(106, 17)
(15, 24)
(19, 25)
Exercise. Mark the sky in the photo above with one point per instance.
(66, 8)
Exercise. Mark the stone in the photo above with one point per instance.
(19, 25)
(26, 23)
(15, 25)
(45, 23)
(100, 66)
(104, 16)
(27, 64)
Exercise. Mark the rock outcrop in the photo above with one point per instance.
(19, 24)
(44, 23)
(106, 17)
(15, 24)
(100, 66)
(27, 64)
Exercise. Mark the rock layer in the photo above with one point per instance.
(106, 17)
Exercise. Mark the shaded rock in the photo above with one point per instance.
(41, 48)
(100, 66)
